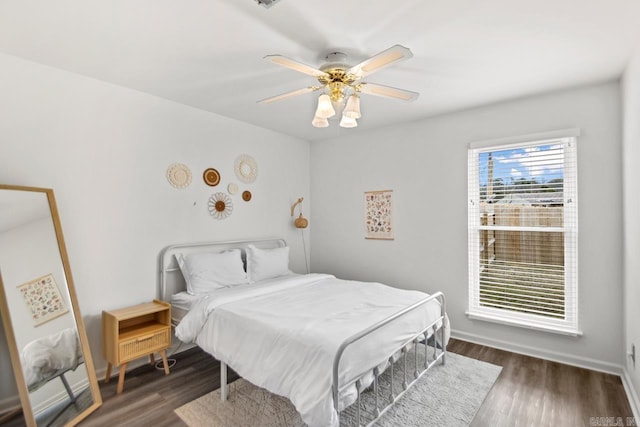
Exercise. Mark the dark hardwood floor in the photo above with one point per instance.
(528, 392)
(536, 392)
(149, 397)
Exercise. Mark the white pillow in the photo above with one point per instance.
(205, 272)
(266, 263)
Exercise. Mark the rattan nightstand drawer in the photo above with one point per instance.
(142, 346)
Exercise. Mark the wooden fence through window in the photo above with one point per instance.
(534, 247)
(522, 270)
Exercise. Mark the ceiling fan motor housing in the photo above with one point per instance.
(267, 3)
(335, 59)
(337, 79)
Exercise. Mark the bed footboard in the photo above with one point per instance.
(435, 327)
(435, 330)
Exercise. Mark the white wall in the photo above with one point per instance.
(425, 164)
(631, 202)
(105, 150)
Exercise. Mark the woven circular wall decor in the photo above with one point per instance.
(179, 175)
(220, 206)
(211, 177)
(246, 168)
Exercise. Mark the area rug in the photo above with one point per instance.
(447, 394)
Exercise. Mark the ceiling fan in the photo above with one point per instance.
(340, 81)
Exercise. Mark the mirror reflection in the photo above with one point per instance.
(41, 311)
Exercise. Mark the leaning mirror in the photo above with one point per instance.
(44, 331)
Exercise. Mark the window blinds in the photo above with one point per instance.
(523, 233)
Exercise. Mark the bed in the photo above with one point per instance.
(51, 357)
(320, 341)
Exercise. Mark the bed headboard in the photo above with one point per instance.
(170, 279)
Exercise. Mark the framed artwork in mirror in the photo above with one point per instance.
(44, 330)
(43, 299)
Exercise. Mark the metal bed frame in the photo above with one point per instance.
(404, 349)
(168, 268)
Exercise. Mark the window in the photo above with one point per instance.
(523, 230)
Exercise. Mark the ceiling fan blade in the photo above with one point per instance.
(289, 94)
(383, 59)
(388, 91)
(295, 65)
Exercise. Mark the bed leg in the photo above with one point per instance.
(405, 385)
(376, 374)
(416, 373)
(443, 307)
(358, 386)
(444, 347)
(223, 381)
(393, 398)
(426, 350)
(66, 387)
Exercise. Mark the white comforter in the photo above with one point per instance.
(283, 335)
(45, 356)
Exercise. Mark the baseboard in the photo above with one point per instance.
(13, 402)
(631, 394)
(567, 359)
(9, 404)
(173, 350)
(115, 371)
(60, 397)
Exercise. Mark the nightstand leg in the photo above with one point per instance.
(108, 376)
(152, 359)
(123, 368)
(163, 353)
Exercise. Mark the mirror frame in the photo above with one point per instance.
(82, 335)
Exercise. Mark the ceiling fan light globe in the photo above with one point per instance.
(320, 122)
(325, 109)
(348, 122)
(352, 110)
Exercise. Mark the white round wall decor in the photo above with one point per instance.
(232, 188)
(179, 175)
(220, 206)
(246, 168)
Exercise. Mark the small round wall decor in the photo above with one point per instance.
(246, 195)
(220, 206)
(246, 168)
(211, 177)
(179, 175)
(232, 188)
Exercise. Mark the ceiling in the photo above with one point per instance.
(208, 53)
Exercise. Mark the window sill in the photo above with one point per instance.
(523, 324)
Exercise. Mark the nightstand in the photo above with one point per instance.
(134, 332)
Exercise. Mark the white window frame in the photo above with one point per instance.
(569, 325)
